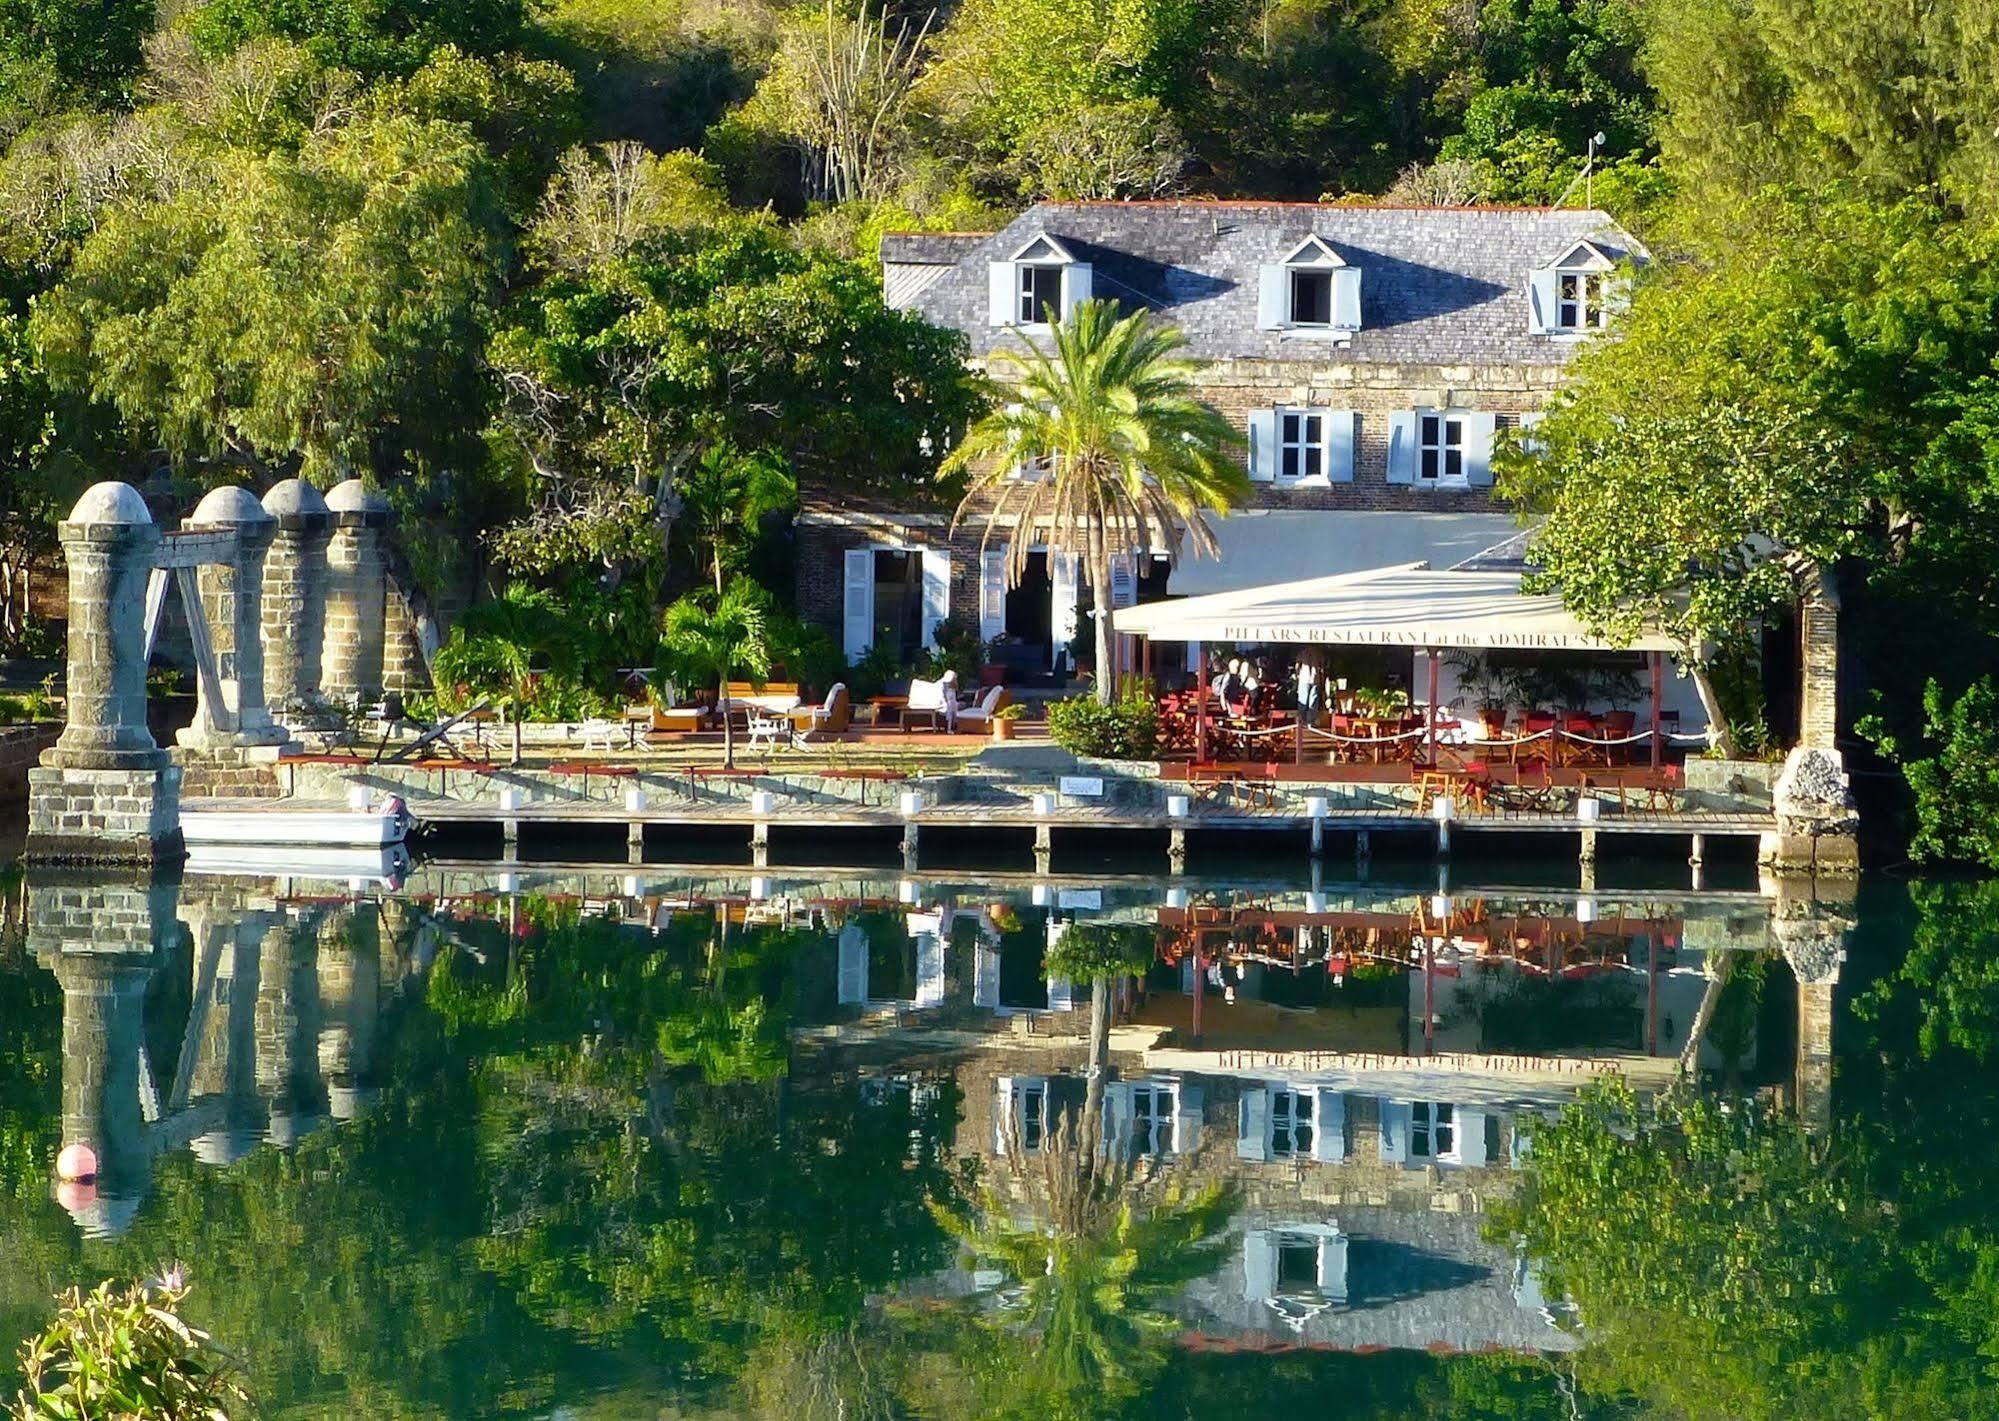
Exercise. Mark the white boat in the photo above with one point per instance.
(267, 822)
(374, 864)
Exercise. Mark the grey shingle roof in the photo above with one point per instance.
(1439, 286)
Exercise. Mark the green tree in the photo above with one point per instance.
(317, 309)
(725, 496)
(368, 36)
(89, 50)
(1129, 460)
(717, 639)
(1101, 954)
(486, 667)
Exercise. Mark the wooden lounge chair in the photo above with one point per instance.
(978, 717)
(830, 718)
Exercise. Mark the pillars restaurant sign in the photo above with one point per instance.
(1412, 637)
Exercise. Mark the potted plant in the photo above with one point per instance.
(1003, 720)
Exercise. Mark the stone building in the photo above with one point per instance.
(1368, 355)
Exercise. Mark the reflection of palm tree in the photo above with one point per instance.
(1099, 1242)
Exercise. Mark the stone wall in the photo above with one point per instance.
(104, 816)
(21, 748)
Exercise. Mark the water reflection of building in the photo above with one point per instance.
(207, 1015)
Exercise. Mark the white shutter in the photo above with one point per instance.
(1394, 1132)
(1002, 1112)
(1333, 1266)
(1003, 294)
(1329, 1140)
(1541, 297)
(986, 977)
(1402, 447)
(1273, 297)
(1061, 994)
(1117, 1118)
(1188, 1102)
(1342, 439)
(1124, 581)
(1077, 284)
(1252, 1134)
(936, 593)
(1480, 426)
(992, 595)
(1528, 443)
(1062, 601)
(1263, 452)
(860, 602)
(853, 989)
(1471, 1136)
(1259, 1266)
(1346, 298)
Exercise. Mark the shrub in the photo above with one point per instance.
(1127, 729)
(124, 1352)
(1956, 788)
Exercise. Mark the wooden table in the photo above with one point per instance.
(886, 706)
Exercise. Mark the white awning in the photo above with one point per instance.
(1408, 606)
(1262, 546)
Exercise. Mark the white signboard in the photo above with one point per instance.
(1082, 787)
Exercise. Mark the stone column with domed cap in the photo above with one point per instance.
(356, 594)
(104, 792)
(294, 600)
(232, 596)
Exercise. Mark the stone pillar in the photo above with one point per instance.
(294, 601)
(1812, 932)
(356, 594)
(350, 1004)
(104, 793)
(232, 597)
(1818, 665)
(101, 942)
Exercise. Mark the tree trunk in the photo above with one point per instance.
(1100, 586)
(1100, 1050)
(1711, 705)
(728, 729)
(717, 545)
(515, 716)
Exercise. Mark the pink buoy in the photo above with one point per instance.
(77, 1163)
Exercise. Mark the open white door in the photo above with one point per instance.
(936, 593)
(1062, 604)
(859, 594)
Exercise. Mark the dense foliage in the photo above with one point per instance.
(1127, 729)
(124, 1351)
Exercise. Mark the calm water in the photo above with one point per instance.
(683, 1142)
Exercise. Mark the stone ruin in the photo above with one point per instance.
(285, 601)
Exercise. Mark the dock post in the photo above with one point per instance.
(1176, 850)
(760, 844)
(1586, 859)
(910, 837)
(1316, 807)
(635, 841)
(1441, 810)
(510, 836)
(1363, 850)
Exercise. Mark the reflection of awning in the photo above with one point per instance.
(1259, 547)
(1390, 606)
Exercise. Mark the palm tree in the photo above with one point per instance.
(726, 495)
(1128, 459)
(487, 666)
(718, 639)
(1100, 954)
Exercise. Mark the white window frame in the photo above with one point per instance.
(1155, 1109)
(1294, 272)
(1434, 447)
(1309, 425)
(1288, 1122)
(1030, 311)
(1429, 1122)
(1582, 300)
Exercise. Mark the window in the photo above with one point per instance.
(1301, 444)
(1579, 301)
(1311, 298)
(1291, 1124)
(1151, 1119)
(1443, 449)
(1433, 1131)
(1030, 1098)
(1297, 1264)
(1040, 289)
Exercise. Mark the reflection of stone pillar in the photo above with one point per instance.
(287, 1012)
(294, 601)
(350, 979)
(1812, 934)
(223, 1081)
(101, 942)
(104, 792)
(356, 593)
(232, 597)
(1818, 665)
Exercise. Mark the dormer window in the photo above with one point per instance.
(1313, 290)
(1574, 295)
(1040, 293)
(1040, 282)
